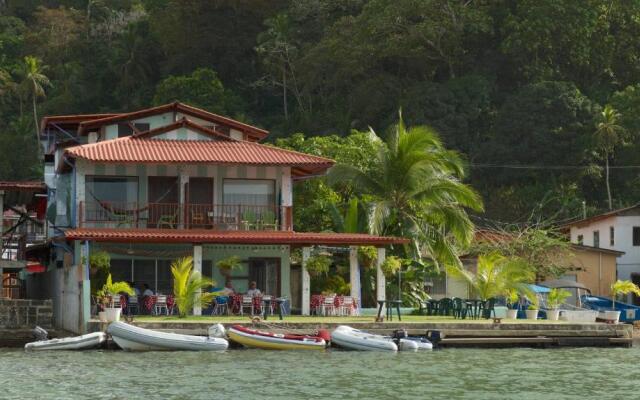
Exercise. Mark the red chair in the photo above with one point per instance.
(316, 304)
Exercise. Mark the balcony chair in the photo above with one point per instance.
(269, 221)
(249, 220)
(198, 219)
(169, 220)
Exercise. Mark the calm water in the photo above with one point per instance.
(254, 374)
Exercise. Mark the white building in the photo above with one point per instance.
(615, 230)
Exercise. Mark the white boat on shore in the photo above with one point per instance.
(133, 338)
(353, 339)
(84, 342)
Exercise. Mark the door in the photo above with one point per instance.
(163, 201)
(266, 273)
(199, 199)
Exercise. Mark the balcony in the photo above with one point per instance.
(134, 215)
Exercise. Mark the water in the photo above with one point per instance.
(586, 373)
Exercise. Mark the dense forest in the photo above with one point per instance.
(539, 96)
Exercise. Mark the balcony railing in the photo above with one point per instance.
(130, 215)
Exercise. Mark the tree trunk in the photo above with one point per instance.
(607, 180)
(284, 92)
(35, 120)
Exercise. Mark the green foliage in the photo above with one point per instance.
(110, 288)
(391, 265)
(189, 286)
(367, 256)
(202, 88)
(556, 297)
(623, 287)
(496, 275)
(318, 265)
(229, 264)
(332, 284)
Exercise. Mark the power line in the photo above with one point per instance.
(552, 167)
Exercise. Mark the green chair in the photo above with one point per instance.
(459, 308)
(444, 306)
(169, 220)
(249, 220)
(269, 221)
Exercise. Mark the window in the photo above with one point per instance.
(255, 192)
(580, 239)
(596, 238)
(612, 239)
(124, 129)
(115, 189)
(636, 235)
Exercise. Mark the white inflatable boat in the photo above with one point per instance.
(353, 339)
(133, 338)
(84, 342)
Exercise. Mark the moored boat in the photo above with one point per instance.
(275, 341)
(354, 339)
(133, 338)
(84, 342)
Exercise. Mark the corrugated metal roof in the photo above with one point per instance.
(231, 237)
(143, 150)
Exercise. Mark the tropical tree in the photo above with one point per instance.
(188, 285)
(417, 192)
(33, 84)
(608, 135)
(496, 276)
(111, 288)
(622, 287)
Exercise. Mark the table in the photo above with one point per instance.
(391, 304)
(267, 307)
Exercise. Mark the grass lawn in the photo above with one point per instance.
(327, 320)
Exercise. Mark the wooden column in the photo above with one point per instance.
(354, 275)
(306, 282)
(197, 266)
(381, 282)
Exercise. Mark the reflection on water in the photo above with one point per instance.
(586, 373)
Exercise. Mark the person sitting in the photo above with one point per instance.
(253, 290)
(228, 288)
(147, 290)
(135, 289)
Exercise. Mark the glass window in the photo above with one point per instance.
(636, 235)
(165, 279)
(596, 238)
(256, 192)
(144, 271)
(117, 189)
(612, 240)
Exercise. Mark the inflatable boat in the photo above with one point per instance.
(84, 342)
(275, 341)
(353, 339)
(133, 338)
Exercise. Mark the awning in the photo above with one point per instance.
(539, 289)
(564, 283)
(36, 268)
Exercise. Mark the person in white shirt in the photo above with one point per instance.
(253, 290)
(147, 291)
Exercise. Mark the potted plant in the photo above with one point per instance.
(318, 265)
(618, 288)
(512, 298)
(107, 294)
(229, 264)
(554, 299)
(533, 309)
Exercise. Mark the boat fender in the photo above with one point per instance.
(325, 334)
(217, 331)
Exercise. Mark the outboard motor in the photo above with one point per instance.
(399, 334)
(40, 333)
(217, 331)
(434, 337)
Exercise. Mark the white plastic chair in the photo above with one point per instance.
(132, 304)
(247, 302)
(347, 306)
(271, 304)
(328, 306)
(161, 304)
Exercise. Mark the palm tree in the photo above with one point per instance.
(496, 276)
(608, 134)
(188, 286)
(417, 193)
(33, 83)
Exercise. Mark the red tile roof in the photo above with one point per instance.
(23, 186)
(142, 150)
(176, 107)
(228, 237)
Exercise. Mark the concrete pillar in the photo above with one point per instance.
(381, 282)
(306, 282)
(183, 179)
(354, 275)
(197, 266)
(286, 194)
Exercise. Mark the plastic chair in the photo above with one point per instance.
(133, 304)
(269, 220)
(487, 307)
(328, 306)
(348, 306)
(247, 302)
(444, 306)
(161, 304)
(459, 308)
(221, 305)
(249, 220)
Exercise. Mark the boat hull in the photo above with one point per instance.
(354, 339)
(270, 341)
(84, 342)
(133, 338)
